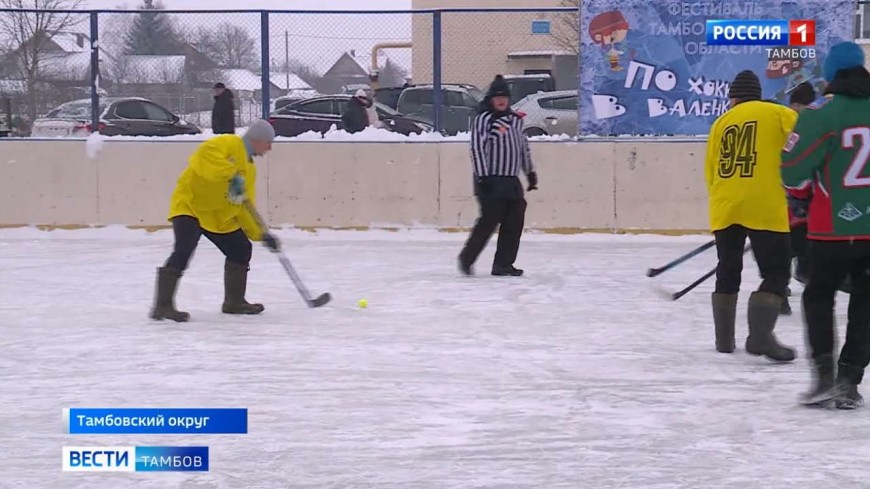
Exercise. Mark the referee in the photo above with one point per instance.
(499, 150)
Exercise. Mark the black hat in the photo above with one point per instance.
(219, 85)
(498, 88)
(803, 94)
(745, 86)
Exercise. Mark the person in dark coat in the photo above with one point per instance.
(499, 152)
(355, 117)
(223, 114)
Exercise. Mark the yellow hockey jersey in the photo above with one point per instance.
(742, 166)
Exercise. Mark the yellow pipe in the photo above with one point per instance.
(378, 47)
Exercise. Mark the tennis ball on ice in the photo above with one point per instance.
(363, 303)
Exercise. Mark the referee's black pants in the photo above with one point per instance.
(501, 203)
(772, 252)
(832, 263)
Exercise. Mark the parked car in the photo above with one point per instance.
(549, 113)
(459, 105)
(522, 86)
(294, 96)
(389, 96)
(321, 113)
(353, 87)
(129, 116)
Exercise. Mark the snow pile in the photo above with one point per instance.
(94, 144)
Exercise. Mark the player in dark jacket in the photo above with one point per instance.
(223, 114)
(829, 152)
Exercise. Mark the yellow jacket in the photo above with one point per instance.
(742, 167)
(202, 189)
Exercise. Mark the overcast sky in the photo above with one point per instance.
(317, 40)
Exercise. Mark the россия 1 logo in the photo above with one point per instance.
(794, 37)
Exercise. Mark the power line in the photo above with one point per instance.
(341, 38)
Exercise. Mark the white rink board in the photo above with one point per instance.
(595, 185)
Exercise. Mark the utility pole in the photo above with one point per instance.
(287, 59)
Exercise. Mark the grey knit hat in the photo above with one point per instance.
(261, 131)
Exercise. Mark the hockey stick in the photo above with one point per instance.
(318, 301)
(654, 272)
(690, 287)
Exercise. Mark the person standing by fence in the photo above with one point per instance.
(499, 151)
(223, 114)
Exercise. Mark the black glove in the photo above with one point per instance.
(271, 243)
(533, 181)
(799, 207)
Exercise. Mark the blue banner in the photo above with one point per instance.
(646, 67)
(127, 421)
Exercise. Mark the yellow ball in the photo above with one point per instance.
(363, 303)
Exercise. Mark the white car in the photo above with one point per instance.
(549, 113)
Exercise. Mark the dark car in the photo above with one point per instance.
(389, 96)
(128, 116)
(459, 103)
(321, 113)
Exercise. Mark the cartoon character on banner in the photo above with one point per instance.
(794, 70)
(606, 30)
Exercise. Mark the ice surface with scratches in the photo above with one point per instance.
(577, 375)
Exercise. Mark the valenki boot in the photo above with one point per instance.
(724, 317)
(848, 379)
(164, 297)
(824, 388)
(763, 312)
(235, 286)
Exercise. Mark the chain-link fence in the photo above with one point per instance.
(432, 65)
(63, 72)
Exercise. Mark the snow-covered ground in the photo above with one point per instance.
(578, 375)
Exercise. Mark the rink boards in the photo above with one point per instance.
(606, 185)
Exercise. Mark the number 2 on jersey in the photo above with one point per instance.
(857, 137)
(737, 149)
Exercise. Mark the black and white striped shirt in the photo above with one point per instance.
(499, 147)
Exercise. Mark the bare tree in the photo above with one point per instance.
(566, 32)
(30, 36)
(230, 46)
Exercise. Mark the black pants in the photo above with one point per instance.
(235, 245)
(501, 203)
(772, 252)
(801, 249)
(832, 263)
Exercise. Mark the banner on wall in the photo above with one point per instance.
(646, 67)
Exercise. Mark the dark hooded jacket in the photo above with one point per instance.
(223, 114)
(354, 117)
(854, 82)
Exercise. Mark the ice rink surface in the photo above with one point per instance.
(578, 375)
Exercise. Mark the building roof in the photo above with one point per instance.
(280, 80)
(65, 66)
(137, 69)
(236, 79)
(72, 42)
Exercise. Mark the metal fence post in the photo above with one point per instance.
(437, 97)
(265, 63)
(95, 72)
